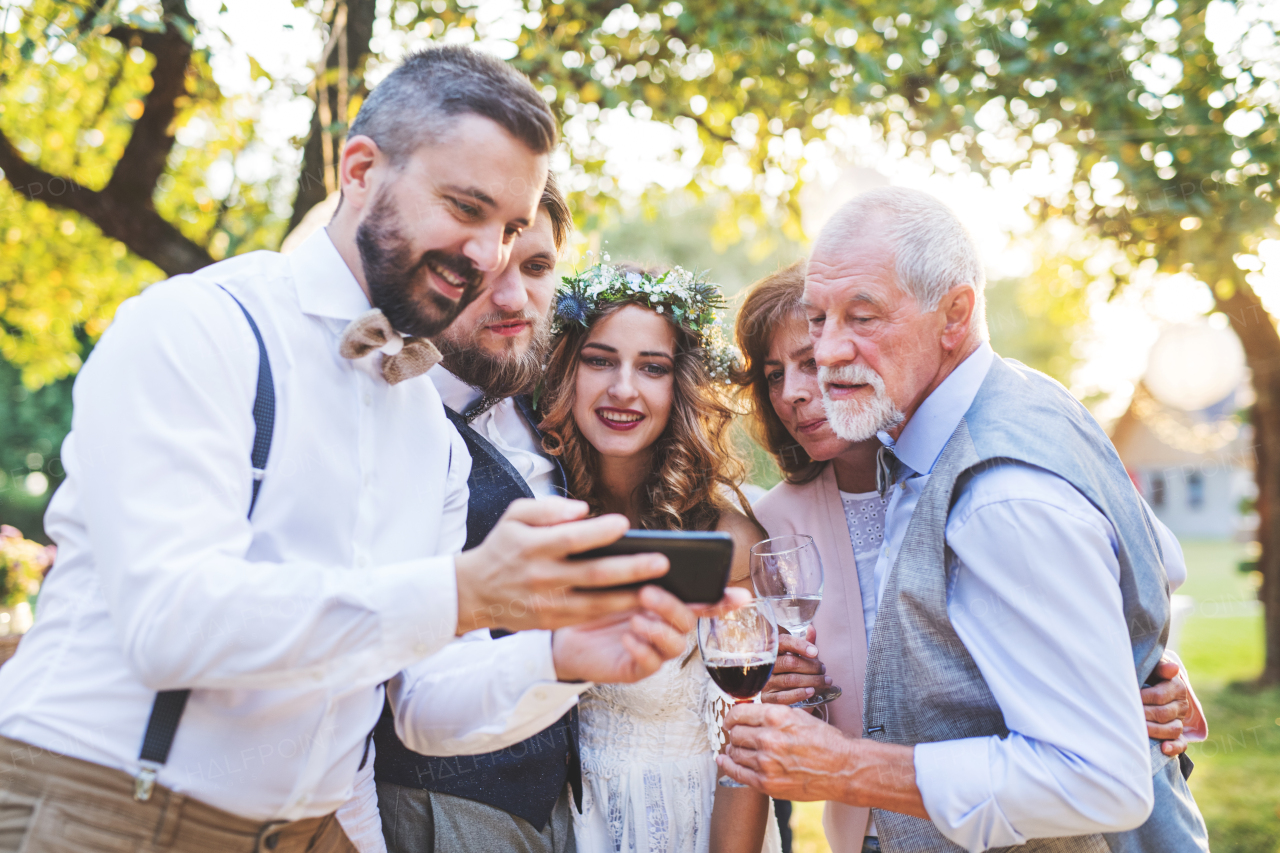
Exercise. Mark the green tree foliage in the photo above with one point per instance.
(32, 426)
(1159, 122)
(81, 159)
(1167, 139)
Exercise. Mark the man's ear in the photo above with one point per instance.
(957, 308)
(356, 175)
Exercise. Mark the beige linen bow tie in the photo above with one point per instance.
(402, 358)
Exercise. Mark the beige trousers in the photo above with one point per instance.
(56, 804)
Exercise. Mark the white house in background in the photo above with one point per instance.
(1193, 468)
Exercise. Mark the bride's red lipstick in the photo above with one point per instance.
(632, 418)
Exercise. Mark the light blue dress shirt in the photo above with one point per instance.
(1033, 593)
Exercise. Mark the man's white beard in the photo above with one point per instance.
(858, 420)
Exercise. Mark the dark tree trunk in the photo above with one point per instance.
(313, 184)
(1257, 333)
(124, 209)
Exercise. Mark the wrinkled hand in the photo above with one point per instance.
(791, 755)
(1168, 706)
(798, 674)
(519, 577)
(785, 752)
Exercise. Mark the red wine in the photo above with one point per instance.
(742, 680)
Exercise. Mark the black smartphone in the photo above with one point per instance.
(700, 561)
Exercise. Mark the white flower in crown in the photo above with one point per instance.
(686, 297)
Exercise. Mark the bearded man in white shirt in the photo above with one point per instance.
(284, 610)
(518, 797)
(1021, 589)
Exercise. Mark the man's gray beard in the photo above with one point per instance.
(855, 420)
(502, 374)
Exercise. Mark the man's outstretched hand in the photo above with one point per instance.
(630, 646)
(519, 577)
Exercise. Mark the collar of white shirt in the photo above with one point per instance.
(326, 285)
(930, 428)
(455, 393)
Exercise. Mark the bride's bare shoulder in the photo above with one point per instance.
(745, 533)
(744, 530)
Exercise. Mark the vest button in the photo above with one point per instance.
(271, 841)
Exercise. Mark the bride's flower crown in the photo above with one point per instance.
(690, 300)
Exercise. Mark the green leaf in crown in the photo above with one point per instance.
(689, 299)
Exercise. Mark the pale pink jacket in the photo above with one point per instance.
(816, 509)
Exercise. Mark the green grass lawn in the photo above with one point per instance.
(1237, 775)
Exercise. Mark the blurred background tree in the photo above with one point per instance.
(1147, 129)
(1152, 128)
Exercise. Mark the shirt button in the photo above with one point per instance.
(420, 649)
(362, 561)
(368, 398)
(540, 695)
(368, 480)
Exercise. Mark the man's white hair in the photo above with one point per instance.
(933, 252)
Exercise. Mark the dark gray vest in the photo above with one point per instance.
(922, 685)
(526, 779)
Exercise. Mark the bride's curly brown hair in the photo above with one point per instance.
(695, 469)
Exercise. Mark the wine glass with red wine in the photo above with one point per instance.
(786, 571)
(739, 650)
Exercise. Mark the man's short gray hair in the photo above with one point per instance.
(933, 251)
(421, 98)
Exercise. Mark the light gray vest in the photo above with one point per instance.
(923, 686)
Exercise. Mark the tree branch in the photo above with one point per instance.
(139, 227)
(124, 209)
(311, 184)
(90, 16)
(723, 137)
(147, 153)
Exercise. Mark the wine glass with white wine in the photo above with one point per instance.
(787, 572)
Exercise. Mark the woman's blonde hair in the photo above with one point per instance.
(770, 303)
(695, 469)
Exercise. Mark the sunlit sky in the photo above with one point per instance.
(283, 39)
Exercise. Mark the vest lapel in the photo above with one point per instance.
(489, 454)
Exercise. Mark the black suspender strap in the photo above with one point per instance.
(166, 711)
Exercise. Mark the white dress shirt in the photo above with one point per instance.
(434, 699)
(505, 428)
(284, 626)
(1033, 593)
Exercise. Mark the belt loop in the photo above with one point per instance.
(269, 836)
(170, 819)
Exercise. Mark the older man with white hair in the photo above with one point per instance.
(1021, 589)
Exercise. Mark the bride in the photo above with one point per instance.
(634, 406)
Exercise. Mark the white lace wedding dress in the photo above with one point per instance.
(648, 763)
